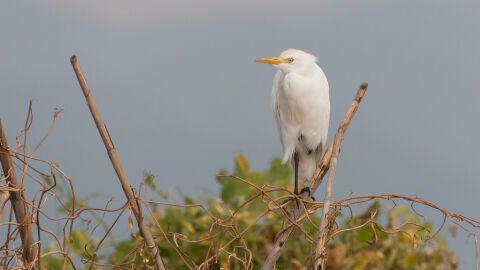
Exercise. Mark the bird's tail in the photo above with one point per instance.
(288, 155)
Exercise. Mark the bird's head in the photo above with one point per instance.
(290, 60)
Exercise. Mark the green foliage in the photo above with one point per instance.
(237, 230)
(234, 193)
(405, 242)
(228, 232)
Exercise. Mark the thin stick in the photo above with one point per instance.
(325, 162)
(18, 199)
(323, 232)
(115, 159)
(320, 172)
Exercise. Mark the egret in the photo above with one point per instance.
(301, 105)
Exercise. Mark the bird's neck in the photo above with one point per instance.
(306, 70)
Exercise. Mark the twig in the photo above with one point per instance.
(17, 199)
(325, 162)
(324, 232)
(320, 172)
(115, 159)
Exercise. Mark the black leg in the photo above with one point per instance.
(295, 160)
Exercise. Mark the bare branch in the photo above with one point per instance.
(115, 159)
(324, 232)
(17, 199)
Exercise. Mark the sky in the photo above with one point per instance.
(180, 92)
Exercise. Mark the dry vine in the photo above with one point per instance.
(50, 186)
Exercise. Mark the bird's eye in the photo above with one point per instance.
(290, 60)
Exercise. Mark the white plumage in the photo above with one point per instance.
(301, 104)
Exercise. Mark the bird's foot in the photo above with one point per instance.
(296, 197)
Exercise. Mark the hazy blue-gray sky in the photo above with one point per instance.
(180, 92)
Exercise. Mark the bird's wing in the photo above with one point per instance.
(288, 129)
(315, 120)
(275, 92)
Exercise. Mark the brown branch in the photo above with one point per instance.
(18, 199)
(115, 159)
(325, 162)
(324, 233)
(320, 172)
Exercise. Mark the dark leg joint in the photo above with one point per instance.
(305, 189)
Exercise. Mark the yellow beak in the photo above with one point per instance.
(272, 60)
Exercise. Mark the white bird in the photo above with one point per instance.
(301, 104)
